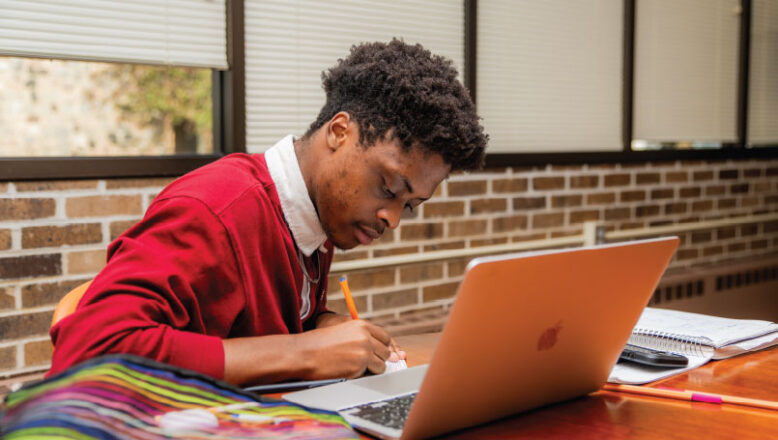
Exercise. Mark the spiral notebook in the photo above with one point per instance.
(699, 337)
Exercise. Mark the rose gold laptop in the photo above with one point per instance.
(526, 330)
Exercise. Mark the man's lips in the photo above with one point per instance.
(366, 235)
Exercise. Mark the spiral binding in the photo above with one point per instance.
(672, 342)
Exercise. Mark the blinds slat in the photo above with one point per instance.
(176, 32)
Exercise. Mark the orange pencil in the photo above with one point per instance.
(349, 300)
(693, 396)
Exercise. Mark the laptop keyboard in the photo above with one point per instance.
(390, 413)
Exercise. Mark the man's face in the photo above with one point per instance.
(362, 191)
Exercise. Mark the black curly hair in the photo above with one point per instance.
(403, 91)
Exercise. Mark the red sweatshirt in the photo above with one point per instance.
(213, 258)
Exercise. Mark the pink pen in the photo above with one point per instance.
(693, 396)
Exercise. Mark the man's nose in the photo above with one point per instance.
(390, 215)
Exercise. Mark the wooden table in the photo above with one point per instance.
(611, 415)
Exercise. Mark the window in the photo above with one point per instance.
(97, 80)
(78, 108)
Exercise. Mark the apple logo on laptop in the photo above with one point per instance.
(549, 337)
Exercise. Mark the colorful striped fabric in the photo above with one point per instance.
(124, 396)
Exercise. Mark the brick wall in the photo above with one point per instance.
(53, 235)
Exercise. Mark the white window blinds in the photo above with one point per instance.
(550, 74)
(686, 58)
(174, 32)
(763, 77)
(290, 42)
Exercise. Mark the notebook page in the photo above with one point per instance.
(635, 374)
(721, 331)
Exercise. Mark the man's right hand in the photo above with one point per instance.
(348, 349)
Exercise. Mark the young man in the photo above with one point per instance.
(227, 272)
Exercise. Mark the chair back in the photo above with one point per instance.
(68, 303)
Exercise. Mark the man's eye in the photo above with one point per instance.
(389, 194)
(409, 207)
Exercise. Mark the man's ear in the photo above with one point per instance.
(338, 130)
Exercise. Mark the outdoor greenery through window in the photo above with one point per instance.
(54, 108)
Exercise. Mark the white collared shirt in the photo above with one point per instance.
(296, 204)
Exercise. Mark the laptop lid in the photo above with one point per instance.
(527, 330)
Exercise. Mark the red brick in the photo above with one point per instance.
(582, 216)
(26, 209)
(421, 272)
(739, 188)
(631, 225)
(467, 188)
(752, 172)
(647, 178)
(44, 294)
(7, 301)
(139, 183)
(700, 176)
(99, 206)
(566, 201)
(585, 181)
(748, 202)
(617, 179)
(509, 185)
(391, 300)
(466, 228)
(633, 196)
(7, 358)
(421, 231)
(86, 261)
(729, 174)
(526, 203)
(701, 236)
(49, 236)
(646, 210)
(5, 239)
(617, 213)
(727, 232)
(548, 183)
(715, 190)
(759, 244)
(443, 209)
(772, 171)
(736, 247)
(457, 268)
(512, 223)
(481, 206)
(676, 177)
(373, 278)
(600, 198)
(686, 254)
(548, 220)
(663, 193)
(30, 266)
(712, 250)
(748, 230)
(441, 291)
(676, 208)
(727, 203)
(761, 187)
(25, 325)
(37, 353)
(691, 191)
(56, 185)
(702, 205)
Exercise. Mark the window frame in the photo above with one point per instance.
(229, 130)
